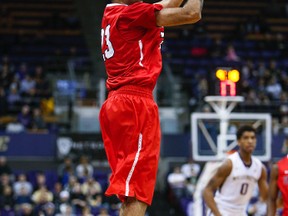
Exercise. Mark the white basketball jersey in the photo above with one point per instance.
(237, 189)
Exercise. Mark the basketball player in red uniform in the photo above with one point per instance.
(278, 182)
(132, 33)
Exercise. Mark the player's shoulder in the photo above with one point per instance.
(257, 160)
(234, 157)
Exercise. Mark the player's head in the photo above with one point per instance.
(246, 138)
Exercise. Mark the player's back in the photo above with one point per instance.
(131, 45)
(236, 191)
(283, 182)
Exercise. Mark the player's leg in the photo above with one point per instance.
(133, 207)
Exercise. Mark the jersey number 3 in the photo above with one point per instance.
(105, 35)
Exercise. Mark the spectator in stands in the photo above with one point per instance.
(40, 181)
(72, 181)
(6, 77)
(202, 88)
(94, 199)
(13, 98)
(22, 197)
(231, 54)
(275, 125)
(4, 167)
(177, 182)
(84, 169)
(27, 86)
(15, 83)
(49, 209)
(7, 62)
(42, 87)
(86, 211)
(91, 184)
(284, 105)
(191, 170)
(252, 98)
(26, 209)
(56, 194)
(263, 99)
(42, 196)
(273, 88)
(78, 199)
(65, 169)
(38, 122)
(22, 71)
(6, 191)
(93, 192)
(103, 212)
(24, 117)
(21, 186)
(6, 197)
(65, 202)
(284, 125)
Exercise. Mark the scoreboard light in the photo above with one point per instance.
(228, 78)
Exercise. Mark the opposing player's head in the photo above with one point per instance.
(246, 138)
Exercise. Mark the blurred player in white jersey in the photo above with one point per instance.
(236, 178)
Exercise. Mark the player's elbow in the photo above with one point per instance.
(193, 16)
(206, 193)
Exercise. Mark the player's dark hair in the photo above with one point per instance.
(243, 129)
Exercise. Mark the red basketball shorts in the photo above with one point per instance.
(130, 129)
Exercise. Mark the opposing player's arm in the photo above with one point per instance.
(273, 191)
(216, 181)
(263, 185)
(189, 13)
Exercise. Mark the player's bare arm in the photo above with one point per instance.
(170, 3)
(216, 181)
(263, 185)
(273, 191)
(188, 14)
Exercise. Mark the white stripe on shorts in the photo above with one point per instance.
(134, 165)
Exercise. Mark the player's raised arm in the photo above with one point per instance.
(216, 181)
(188, 14)
(273, 191)
(263, 185)
(170, 3)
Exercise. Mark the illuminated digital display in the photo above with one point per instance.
(228, 79)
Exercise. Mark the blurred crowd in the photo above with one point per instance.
(24, 92)
(73, 190)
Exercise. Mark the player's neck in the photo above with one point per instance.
(245, 157)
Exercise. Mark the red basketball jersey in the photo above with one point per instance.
(283, 182)
(131, 45)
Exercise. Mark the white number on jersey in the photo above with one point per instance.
(109, 52)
